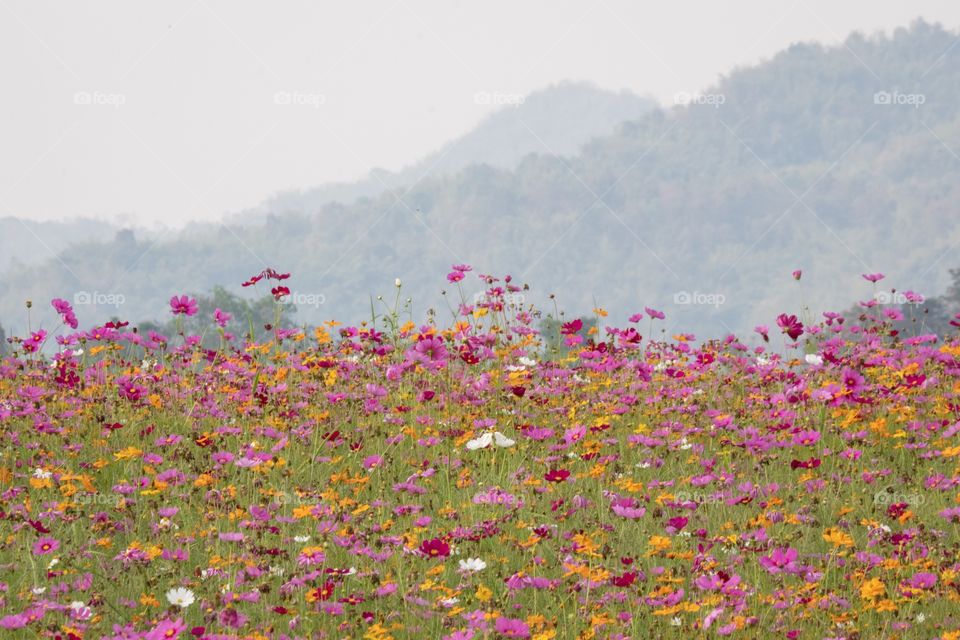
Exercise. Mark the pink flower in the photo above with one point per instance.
(221, 317)
(511, 628)
(797, 274)
(654, 314)
(372, 461)
(166, 630)
(873, 277)
(46, 545)
(922, 580)
(779, 560)
(183, 305)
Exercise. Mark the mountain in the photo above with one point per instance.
(558, 119)
(27, 242)
(838, 161)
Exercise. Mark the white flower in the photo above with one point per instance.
(276, 572)
(301, 539)
(42, 474)
(180, 597)
(501, 440)
(920, 618)
(397, 283)
(472, 565)
(38, 591)
(813, 358)
(490, 437)
(761, 361)
(449, 602)
(527, 362)
(676, 622)
(480, 443)
(53, 563)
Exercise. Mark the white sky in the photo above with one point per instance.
(199, 131)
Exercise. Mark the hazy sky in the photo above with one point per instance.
(179, 110)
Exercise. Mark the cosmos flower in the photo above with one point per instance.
(180, 597)
(45, 545)
(183, 305)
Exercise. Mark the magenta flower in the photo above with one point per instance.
(922, 580)
(221, 317)
(779, 560)
(435, 548)
(654, 314)
(873, 277)
(166, 630)
(790, 325)
(511, 628)
(45, 545)
(797, 274)
(183, 305)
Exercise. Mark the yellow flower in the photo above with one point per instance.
(872, 588)
(483, 593)
(837, 538)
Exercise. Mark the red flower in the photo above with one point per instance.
(279, 292)
(435, 548)
(812, 463)
(625, 580)
(556, 475)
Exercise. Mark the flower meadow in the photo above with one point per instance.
(464, 481)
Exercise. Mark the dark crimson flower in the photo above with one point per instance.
(435, 548)
(812, 463)
(198, 631)
(556, 475)
(625, 580)
(897, 509)
(790, 325)
(279, 292)
(570, 328)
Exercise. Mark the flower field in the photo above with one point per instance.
(460, 480)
